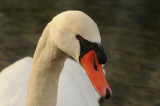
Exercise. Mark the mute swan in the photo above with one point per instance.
(69, 33)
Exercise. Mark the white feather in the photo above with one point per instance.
(74, 87)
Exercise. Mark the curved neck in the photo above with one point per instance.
(47, 64)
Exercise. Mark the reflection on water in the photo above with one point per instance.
(130, 35)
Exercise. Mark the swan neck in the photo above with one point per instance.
(47, 64)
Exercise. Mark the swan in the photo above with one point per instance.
(70, 33)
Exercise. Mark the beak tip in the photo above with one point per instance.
(108, 94)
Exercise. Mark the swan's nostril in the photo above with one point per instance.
(108, 94)
(95, 66)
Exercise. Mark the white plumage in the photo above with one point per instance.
(74, 87)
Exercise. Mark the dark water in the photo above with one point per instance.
(130, 31)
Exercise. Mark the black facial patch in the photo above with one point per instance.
(86, 46)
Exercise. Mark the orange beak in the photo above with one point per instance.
(95, 73)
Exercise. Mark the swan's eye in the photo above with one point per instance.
(79, 37)
(95, 66)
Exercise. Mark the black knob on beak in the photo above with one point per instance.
(102, 58)
(108, 94)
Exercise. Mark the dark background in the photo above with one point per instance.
(130, 31)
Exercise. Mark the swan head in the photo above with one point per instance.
(76, 34)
